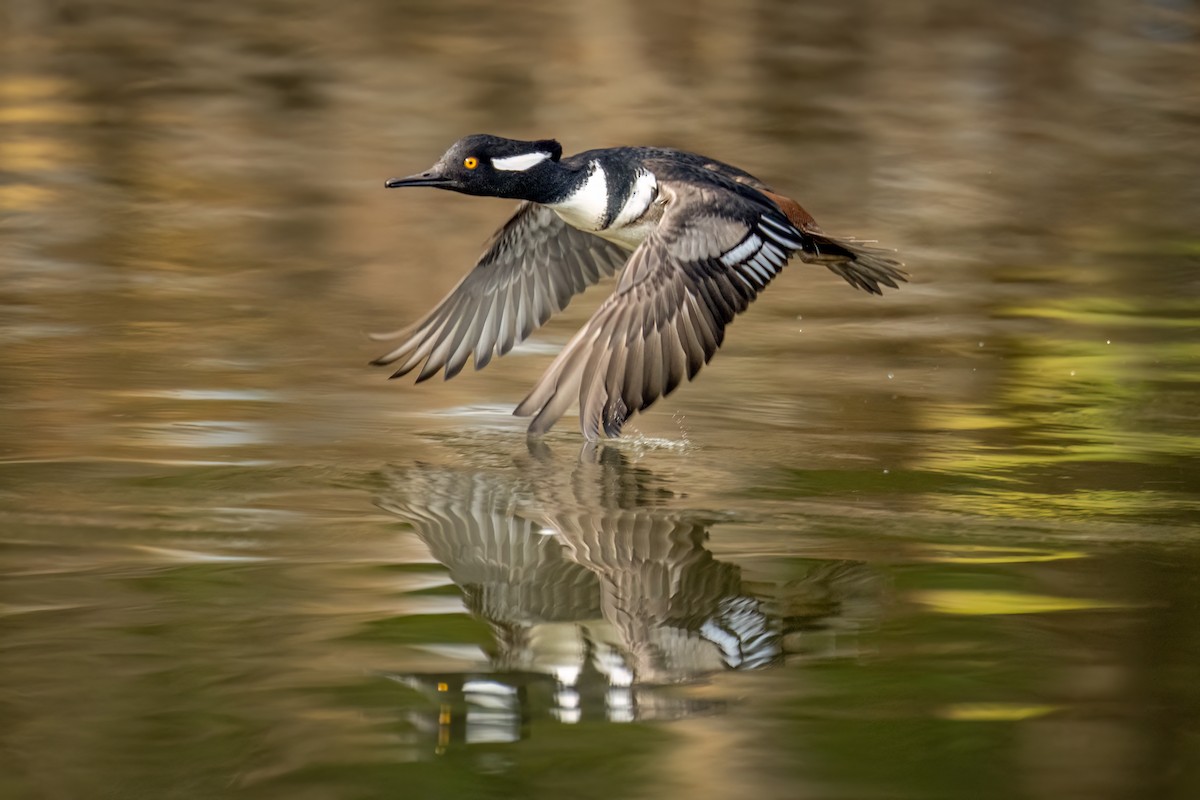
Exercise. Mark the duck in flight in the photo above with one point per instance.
(698, 239)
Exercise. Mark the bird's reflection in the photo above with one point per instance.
(599, 590)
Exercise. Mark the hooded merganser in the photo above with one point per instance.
(700, 240)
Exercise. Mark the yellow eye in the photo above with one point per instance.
(471, 162)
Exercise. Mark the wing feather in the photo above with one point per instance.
(685, 283)
(531, 269)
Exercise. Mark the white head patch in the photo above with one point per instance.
(519, 163)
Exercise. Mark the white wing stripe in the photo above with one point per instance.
(644, 190)
(780, 234)
(774, 255)
(761, 268)
(742, 251)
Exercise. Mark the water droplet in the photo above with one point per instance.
(890, 376)
(885, 472)
(981, 344)
(1108, 341)
(1072, 373)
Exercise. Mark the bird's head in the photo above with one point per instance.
(492, 166)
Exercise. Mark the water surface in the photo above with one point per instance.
(939, 544)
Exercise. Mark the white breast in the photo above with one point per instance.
(638, 216)
(586, 207)
(645, 189)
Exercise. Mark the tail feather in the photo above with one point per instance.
(858, 263)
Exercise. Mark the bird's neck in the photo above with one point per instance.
(545, 183)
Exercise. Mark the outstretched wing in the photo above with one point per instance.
(532, 268)
(704, 264)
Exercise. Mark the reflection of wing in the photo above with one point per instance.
(564, 560)
(678, 611)
(532, 268)
(509, 572)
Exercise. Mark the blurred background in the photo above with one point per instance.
(935, 544)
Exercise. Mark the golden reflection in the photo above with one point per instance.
(978, 602)
(995, 712)
(30, 154)
(981, 554)
(1114, 312)
(1079, 504)
(31, 87)
(49, 114)
(25, 196)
